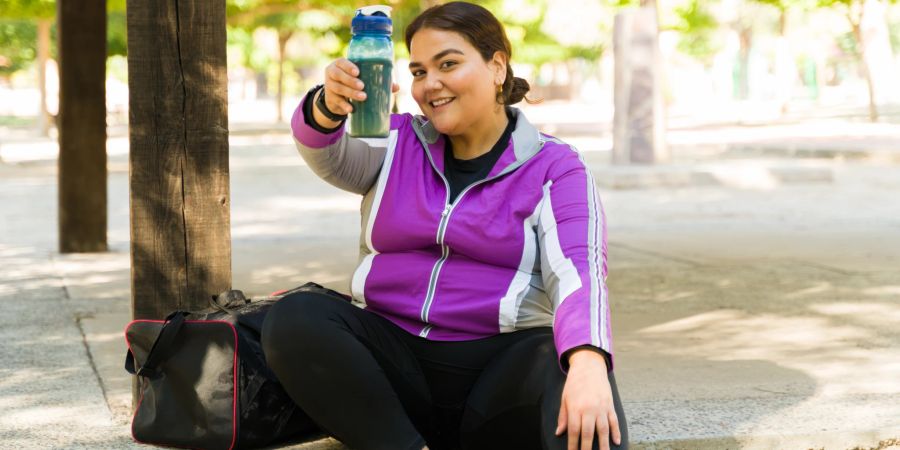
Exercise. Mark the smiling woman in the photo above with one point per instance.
(481, 316)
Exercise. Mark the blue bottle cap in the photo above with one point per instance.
(372, 19)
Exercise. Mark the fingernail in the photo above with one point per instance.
(360, 85)
(361, 95)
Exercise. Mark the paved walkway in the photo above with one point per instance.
(759, 314)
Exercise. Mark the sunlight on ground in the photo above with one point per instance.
(817, 346)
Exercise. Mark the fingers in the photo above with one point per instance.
(588, 424)
(395, 87)
(574, 431)
(561, 421)
(341, 85)
(347, 66)
(614, 428)
(603, 432)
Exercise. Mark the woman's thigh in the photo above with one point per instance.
(451, 369)
(348, 368)
(515, 402)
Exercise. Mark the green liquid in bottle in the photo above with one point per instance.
(372, 117)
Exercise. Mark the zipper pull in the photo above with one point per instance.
(445, 211)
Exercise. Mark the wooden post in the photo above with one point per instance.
(178, 121)
(82, 126)
(639, 117)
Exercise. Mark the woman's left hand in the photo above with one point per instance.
(587, 407)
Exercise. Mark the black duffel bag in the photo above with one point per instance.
(203, 379)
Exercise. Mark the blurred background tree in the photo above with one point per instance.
(867, 27)
(280, 46)
(28, 32)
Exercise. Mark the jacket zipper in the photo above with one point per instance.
(445, 250)
(442, 231)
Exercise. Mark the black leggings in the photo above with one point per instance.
(372, 385)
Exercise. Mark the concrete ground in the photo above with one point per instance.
(759, 310)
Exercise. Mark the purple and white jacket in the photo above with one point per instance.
(523, 248)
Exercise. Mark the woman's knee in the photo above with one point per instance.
(500, 413)
(293, 321)
(530, 361)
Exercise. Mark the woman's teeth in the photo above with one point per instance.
(440, 102)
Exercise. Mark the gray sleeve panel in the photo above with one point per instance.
(350, 164)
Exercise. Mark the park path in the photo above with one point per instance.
(759, 313)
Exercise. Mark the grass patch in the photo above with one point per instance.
(17, 121)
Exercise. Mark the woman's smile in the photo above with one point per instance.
(441, 103)
(455, 87)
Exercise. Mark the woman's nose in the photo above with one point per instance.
(433, 83)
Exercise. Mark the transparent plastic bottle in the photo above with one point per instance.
(372, 50)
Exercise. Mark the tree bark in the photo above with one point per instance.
(180, 218)
(82, 126)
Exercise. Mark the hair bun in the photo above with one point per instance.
(520, 87)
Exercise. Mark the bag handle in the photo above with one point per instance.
(161, 349)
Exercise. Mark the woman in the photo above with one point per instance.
(479, 317)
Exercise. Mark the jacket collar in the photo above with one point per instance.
(525, 141)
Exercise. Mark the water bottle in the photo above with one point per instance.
(372, 51)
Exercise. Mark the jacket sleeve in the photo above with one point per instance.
(572, 239)
(346, 162)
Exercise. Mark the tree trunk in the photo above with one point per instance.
(785, 67)
(283, 38)
(745, 37)
(43, 55)
(262, 85)
(864, 66)
(82, 126)
(178, 96)
(639, 116)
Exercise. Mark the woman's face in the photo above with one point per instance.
(452, 83)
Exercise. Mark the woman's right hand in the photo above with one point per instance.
(341, 85)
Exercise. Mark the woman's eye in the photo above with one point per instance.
(446, 64)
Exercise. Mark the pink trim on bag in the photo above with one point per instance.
(234, 384)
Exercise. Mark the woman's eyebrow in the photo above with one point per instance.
(437, 57)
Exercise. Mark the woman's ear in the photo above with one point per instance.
(498, 65)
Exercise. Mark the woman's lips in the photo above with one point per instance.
(441, 106)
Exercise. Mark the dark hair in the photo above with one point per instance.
(481, 29)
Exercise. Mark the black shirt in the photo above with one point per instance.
(461, 173)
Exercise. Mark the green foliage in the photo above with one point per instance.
(842, 3)
(847, 43)
(18, 31)
(697, 27)
(783, 5)
(27, 9)
(18, 45)
(116, 34)
(894, 32)
(241, 39)
(624, 3)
